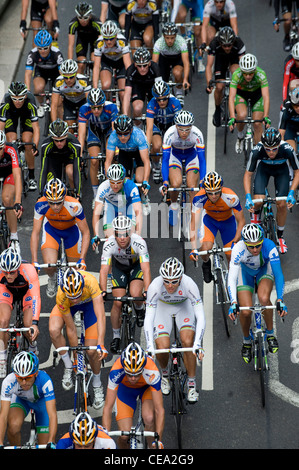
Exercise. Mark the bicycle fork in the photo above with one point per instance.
(259, 332)
(220, 276)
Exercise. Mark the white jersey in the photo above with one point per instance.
(174, 141)
(187, 292)
(228, 11)
(137, 250)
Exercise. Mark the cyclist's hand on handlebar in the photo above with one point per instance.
(164, 188)
(267, 121)
(249, 203)
(18, 209)
(102, 351)
(198, 352)
(37, 266)
(233, 311)
(281, 308)
(145, 187)
(81, 264)
(203, 46)
(104, 295)
(51, 445)
(95, 241)
(160, 445)
(193, 255)
(291, 201)
(231, 123)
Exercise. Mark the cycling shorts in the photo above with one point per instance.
(130, 160)
(111, 211)
(191, 162)
(114, 12)
(9, 180)
(38, 11)
(210, 227)
(83, 44)
(257, 102)
(117, 65)
(137, 30)
(291, 132)
(90, 319)
(46, 74)
(96, 136)
(247, 282)
(196, 8)
(72, 237)
(184, 318)
(280, 173)
(71, 109)
(41, 414)
(126, 400)
(286, 6)
(123, 275)
(167, 62)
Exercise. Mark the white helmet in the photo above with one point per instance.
(122, 223)
(184, 118)
(83, 430)
(252, 233)
(25, 363)
(109, 29)
(116, 172)
(295, 51)
(248, 63)
(69, 66)
(10, 260)
(172, 268)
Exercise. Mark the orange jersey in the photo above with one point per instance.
(71, 211)
(150, 376)
(223, 209)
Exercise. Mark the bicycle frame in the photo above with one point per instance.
(248, 139)
(4, 229)
(224, 107)
(268, 220)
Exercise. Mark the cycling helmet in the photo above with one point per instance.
(109, 29)
(160, 88)
(142, 56)
(25, 363)
(252, 233)
(10, 260)
(226, 35)
(133, 359)
(171, 268)
(83, 10)
(123, 124)
(271, 137)
(294, 96)
(184, 118)
(83, 430)
(212, 181)
(295, 51)
(58, 129)
(168, 29)
(248, 63)
(2, 139)
(116, 172)
(55, 190)
(43, 39)
(72, 283)
(96, 97)
(68, 66)
(122, 223)
(17, 89)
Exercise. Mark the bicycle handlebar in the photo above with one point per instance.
(183, 189)
(248, 121)
(57, 265)
(125, 298)
(39, 446)
(16, 330)
(74, 348)
(3, 208)
(270, 199)
(212, 251)
(254, 308)
(172, 350)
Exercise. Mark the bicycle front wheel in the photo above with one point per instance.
(261, 366)
(178, 408)
(80, 395)
(222, 300)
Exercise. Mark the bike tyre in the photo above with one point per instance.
(178, 408)
(261, 367)
(222, 301)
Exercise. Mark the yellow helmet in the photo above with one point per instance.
(133, 359)
(212, 181)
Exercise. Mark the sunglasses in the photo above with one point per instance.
(83, 17)
(43, 48)
(142, 66)
(258, 245)
(97, 107)
(173, 283)
(55, 203)
(27, 378)
(270, 149)
(213, 193)
(59, 140)
(227, 46)
(6, 273)
(18, 99)
(184, 130)
(162, 99)
(69, 77)
(122, 234)
(109, 39)
(116, 182)
(123, 133)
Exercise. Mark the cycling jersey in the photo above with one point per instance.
(163, 117)
(91, 290)
(144, 14)
(41, 389)
(115, 52)
(258, 81)
(27, 114)
(289, 119)
(183, 150)
(220, 16)
(25, 287)
(241, 258)
(179, 46)
(129, 194)
(102, 440)
(102, 122)
(74, 93)
(238, 49)
(66, 218)
(8, 161)
(137, 141)
(291, 72)
(149, 377)
(136, 251)
(115, 3)
(140, 82)
(49, 63)
(285, 154)
(223, 209)
(89, 32)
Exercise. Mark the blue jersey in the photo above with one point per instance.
(128, 194)
(166, 115)
(137, 141)
(41, 390)
(104, 121)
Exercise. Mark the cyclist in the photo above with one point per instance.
(222, 212)
(69, 93)
(248, 82)
(175, 294)
(134, 374)
(255, 259)
(272, 157)
(140, 78)
(159, 117)
(26, 388)
(224, 53)
(117, 195)
(43, 63)
(18, 282)
(79, 291)
(288, 126)
(60, 152)
(183, 143)
(112, 53)
(85, 433)
(114, 10)
(84, 29)
(133, 146)
(141, 23)
(216, 14)
(59, 217)
(128, 255)
(286, 9)
(18, 107)
(10, 171)
(171, 54)
(96, 117)
(41, 10)
(291, 71)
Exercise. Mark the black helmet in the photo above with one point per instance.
(83, 9)
(17, 89)
(58, 128)
(226, 35)
(142, 56)
(169, 29)
(123, 124)
(271, 137)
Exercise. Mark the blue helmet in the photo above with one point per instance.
(43, 39)
(96, 97)
(160, 88)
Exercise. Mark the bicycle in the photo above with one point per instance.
(83, 370)
(88, 69)
(101, 171)
(4, 229)
(249, 132)
(17, 341)
(219, 272)
(192, 48)
(224, 108)
(294, 24)
(268, 220)
(128, 319)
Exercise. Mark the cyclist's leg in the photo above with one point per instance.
(72, 243)
(56, 324)
(94, 149)
(192, 175)
(281, 181)
(8, 198)
(49, 247)
(148, 36)
(6, 305)
(125, 408)
(16, 416)
(162, 332)
(106, 78)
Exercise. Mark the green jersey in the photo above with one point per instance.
(259, 80)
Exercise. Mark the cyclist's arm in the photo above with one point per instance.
(145, 268)
(155, 57)
(144, 155)
(71, 43)
(96, 70)
(54, 105)
(76, 169)
(17, 176)
(52, 5)
(110, 398)
(71, 331)
(36, 133)
(84, 229)
(104, 271)
(295, 182)
(127, 60)
(234, 24)
(278, 276)
(266, 98)
(82, 134)
(186, 65)
(5, 407)
(194, 225)
(127, 100)
(109, 158)
(37, 226)
(99, 310)
(209, 68)
(157, 398)
(27, 78)
(98, 207)
(104, 11)
(149, 129)
(247, 181)
(165, 162)
(25, 5)
(202, 162)
(204, 29)
(240, 218)
(137, 206)
(232, 280)
(231, 102)
(53, 421)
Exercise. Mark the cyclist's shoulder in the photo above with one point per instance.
(91, 285)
